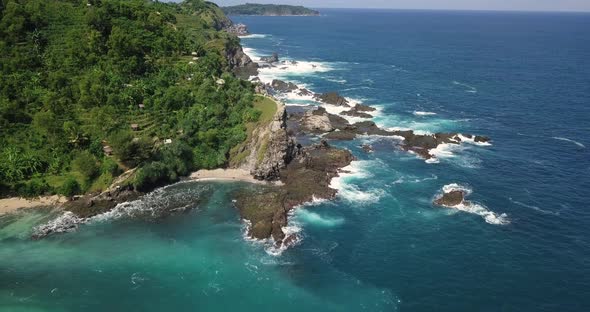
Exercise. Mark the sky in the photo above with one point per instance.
(499, 5)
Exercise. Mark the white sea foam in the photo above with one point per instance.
(289, 68)
(457, 187)
(569, 140)
(469, 88)
(352, 192)
(445, 150)
(472, 141)
(254, 36)
(313, 218)
(420, 113)
(473, 207)
(533, 207)
(413, 179)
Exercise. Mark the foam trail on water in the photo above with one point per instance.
(470, 89)
(474, 208)
(569, 140)
(538, 209)
(254, 36)
(313, 218)
(350, 191)
(421, 113)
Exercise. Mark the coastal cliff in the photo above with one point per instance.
(268, 148)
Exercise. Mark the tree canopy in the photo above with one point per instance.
(83, 77)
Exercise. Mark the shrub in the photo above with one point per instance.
(34, 188)
(86, 164)
(70, 187)
(110, 166)
(131, 151)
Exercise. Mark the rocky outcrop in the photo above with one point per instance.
(316, 122)
(274, 58)
(367, 148)
(332, 98)
(238, 30)
(269, 148)
(359, 110)
(281, 86)
(307, 177)
(451, 199)
(340, 129)
(240, 63)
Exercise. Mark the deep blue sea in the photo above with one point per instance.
(524, 245)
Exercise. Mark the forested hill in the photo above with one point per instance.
(269, 10)
(90, 88)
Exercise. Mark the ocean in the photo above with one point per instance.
(522, 79)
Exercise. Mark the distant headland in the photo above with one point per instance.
(269, 10)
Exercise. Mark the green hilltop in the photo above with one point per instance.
(91, 88)
(269, 10)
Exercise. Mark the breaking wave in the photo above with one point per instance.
(254, 36)
(350, 191)
(420, 113)
(473, 207)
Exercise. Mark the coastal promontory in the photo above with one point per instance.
(269, 10)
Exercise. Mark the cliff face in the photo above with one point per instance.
(240, 63)
(269, 148)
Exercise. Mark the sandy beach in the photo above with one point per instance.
(8, 205)
(224, 175)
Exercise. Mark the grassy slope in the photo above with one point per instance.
(268, 108)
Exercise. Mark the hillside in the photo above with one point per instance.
(91, 88)
(269, 10)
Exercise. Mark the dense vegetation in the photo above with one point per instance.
(268, 9)
(91, 88)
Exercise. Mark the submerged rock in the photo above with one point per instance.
(67, 222)
(367, 148)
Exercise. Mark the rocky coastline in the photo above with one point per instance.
(297, 174)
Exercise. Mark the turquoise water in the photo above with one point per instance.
(521, 78)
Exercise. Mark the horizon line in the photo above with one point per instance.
(453, 10)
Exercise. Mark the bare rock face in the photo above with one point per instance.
(238, 30)
(332, 98)
(270, 59)
(359, 110)
(281, 86)
(240, 63)
(306, 177)
(269, 149)
(316, 122)
(451, 199)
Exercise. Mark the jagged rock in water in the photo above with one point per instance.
(451, 199)
(360, 110)
(281, 86)
(332, 98)
(306, 177)
(274, 58)
(367, 148)
(316, 122)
